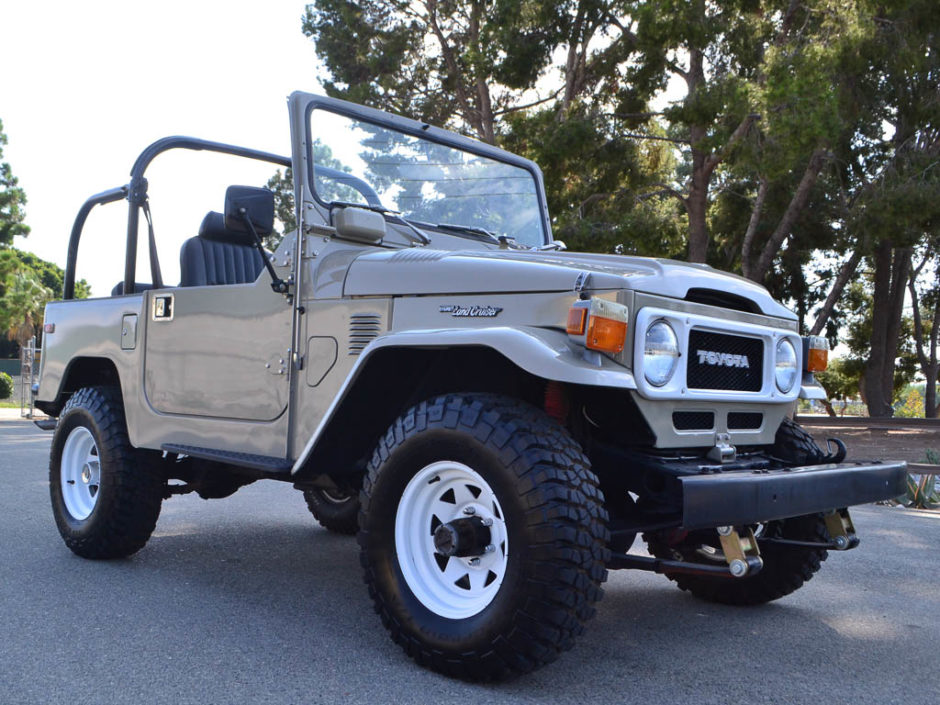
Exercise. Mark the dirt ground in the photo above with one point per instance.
(910, 444)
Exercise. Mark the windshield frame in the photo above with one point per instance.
(422, 131)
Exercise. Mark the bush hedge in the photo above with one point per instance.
(6, 386)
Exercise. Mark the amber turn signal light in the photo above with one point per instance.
(606, 334)
(603, 324)
(577, 317)
(817, 353)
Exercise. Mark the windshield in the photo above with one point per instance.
(427, 182)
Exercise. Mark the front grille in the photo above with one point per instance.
(745, 420)
(727, 362)
(693, 420)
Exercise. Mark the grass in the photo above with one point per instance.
(9, 404)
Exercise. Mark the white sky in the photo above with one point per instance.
(89, 84)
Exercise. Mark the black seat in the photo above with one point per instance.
(139, 288)
(219, 255)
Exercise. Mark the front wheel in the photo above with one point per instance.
(786, 568)
(106, 495)
(483, 536)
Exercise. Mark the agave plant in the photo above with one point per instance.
(922, 489)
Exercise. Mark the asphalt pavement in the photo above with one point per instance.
(247, 600)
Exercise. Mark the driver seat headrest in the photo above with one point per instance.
(213, 228)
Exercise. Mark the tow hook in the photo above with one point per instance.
(740, 552)
(837, 455)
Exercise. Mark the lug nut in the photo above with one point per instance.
(474, 561)
(489, 548)
(469, 511)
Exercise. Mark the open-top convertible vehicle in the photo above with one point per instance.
(498, 419)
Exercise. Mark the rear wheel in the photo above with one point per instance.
(335, 509)
(483, 536)
(106, 495)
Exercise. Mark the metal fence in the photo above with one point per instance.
(29, 375)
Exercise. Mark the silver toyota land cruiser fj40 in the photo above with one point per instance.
(496, 418)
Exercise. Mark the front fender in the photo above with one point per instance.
(542, 352)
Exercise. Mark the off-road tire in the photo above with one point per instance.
(130, 491)
(786, 568)
(555, 521)
(795, 446)
(339, 517)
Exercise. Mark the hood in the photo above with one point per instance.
(424, 271)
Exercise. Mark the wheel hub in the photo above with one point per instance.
(80, 473)
(463, 537)
(451, 539)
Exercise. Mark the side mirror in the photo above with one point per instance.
(359, 224)
(256, 203)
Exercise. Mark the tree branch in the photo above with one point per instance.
(815, 165)
(517, 108)
(653, 137)
(752, 227)
(716, 158)
(918, 321)
(835, 293)
(664, 189)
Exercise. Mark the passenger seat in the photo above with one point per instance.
(219, 255)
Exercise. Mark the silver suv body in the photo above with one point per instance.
(419, 323)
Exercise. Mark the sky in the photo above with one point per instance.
(88, 85)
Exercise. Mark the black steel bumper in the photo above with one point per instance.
(750, 497)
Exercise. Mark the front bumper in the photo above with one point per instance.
(749, 497)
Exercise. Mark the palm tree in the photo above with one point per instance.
(22, 305)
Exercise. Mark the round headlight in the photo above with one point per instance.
(785, 368)
(660, 353)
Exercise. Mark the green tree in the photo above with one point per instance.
(19, 272)
(282, 184)
(22, 306)
(489, 68)
(12, 200)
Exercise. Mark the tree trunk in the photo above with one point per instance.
(697, 202)
(930, 393)
(697, 207)
(835, 293)
(892, 267)
(794, 208)
(747, 248)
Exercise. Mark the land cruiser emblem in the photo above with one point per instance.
(709, 357)
(471, 311)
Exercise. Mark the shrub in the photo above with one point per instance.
(6, 385)
(922, 490)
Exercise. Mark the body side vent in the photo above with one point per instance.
(363, 329)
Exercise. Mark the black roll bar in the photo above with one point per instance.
(136, 194)
(109, 196)
(137, 188)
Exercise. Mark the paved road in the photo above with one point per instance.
(246, 600)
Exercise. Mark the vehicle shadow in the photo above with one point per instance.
(296, 587)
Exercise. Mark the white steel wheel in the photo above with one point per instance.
(451, 586)
(80, 473)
